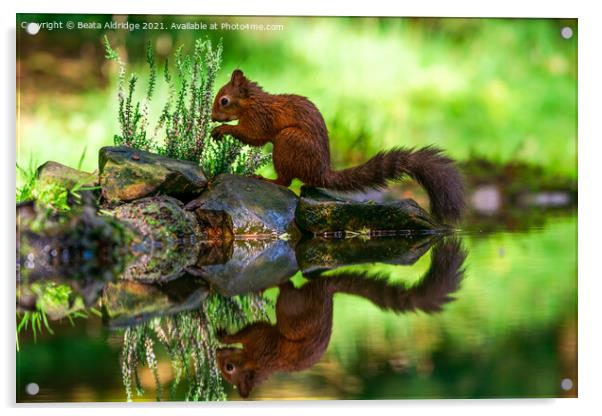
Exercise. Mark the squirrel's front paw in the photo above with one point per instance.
(219, 132)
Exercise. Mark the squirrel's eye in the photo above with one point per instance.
(229, 367)
(224, 101)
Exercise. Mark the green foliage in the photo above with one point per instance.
(185, 117)
(33, 320)
(53, 198)
(231, 156)
(25, 192)
(189, 339)
(187, 114)
(133, 116)
(51, 297)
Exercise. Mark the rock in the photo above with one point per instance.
(130, 303)
(253, 265)
(216, 225)
(319, 212)
(168, 242)
(55, 173)
(256, 207)
(319, 254)
(127, 174)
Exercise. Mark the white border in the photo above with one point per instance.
(589, 36)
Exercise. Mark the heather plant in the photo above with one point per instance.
(185, 118)
(133, 115)
(189, 340)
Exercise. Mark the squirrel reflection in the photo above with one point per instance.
(304, 317)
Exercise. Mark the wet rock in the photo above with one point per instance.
(318, 254)
(320, 212)
(256, 207)
(127, 174)
(55, 173)
(253, 265)
(130, 303)
(168, 238)
(216, 225)
(161, 218)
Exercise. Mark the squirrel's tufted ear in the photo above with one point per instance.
(237, 77)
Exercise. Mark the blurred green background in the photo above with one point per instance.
(501, 89)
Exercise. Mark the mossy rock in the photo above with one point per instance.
(320, 212)
(168, 242)
(252, 265)
(256, 207)
(128, 174)
(130, 303)
(318, 254)
(51, 173)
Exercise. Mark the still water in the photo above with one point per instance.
(488, 313)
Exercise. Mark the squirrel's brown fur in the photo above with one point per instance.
(301, 150)
(304, 317)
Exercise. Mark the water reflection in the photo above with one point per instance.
(216, 303)
(505, 336)
(303, 325)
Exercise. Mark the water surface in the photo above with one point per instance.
(509, 330)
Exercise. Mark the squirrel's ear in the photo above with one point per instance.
(237, 77)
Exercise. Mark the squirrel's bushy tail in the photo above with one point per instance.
(433, 291)
(434, 171)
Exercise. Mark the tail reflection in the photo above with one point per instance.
(304, 317)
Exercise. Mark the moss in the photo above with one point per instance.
(165, 228)
(127, 174)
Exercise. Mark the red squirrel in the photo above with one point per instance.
(304, 317)
(301, 149)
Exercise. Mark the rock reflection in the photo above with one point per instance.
(303, 325)
(244, 266)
